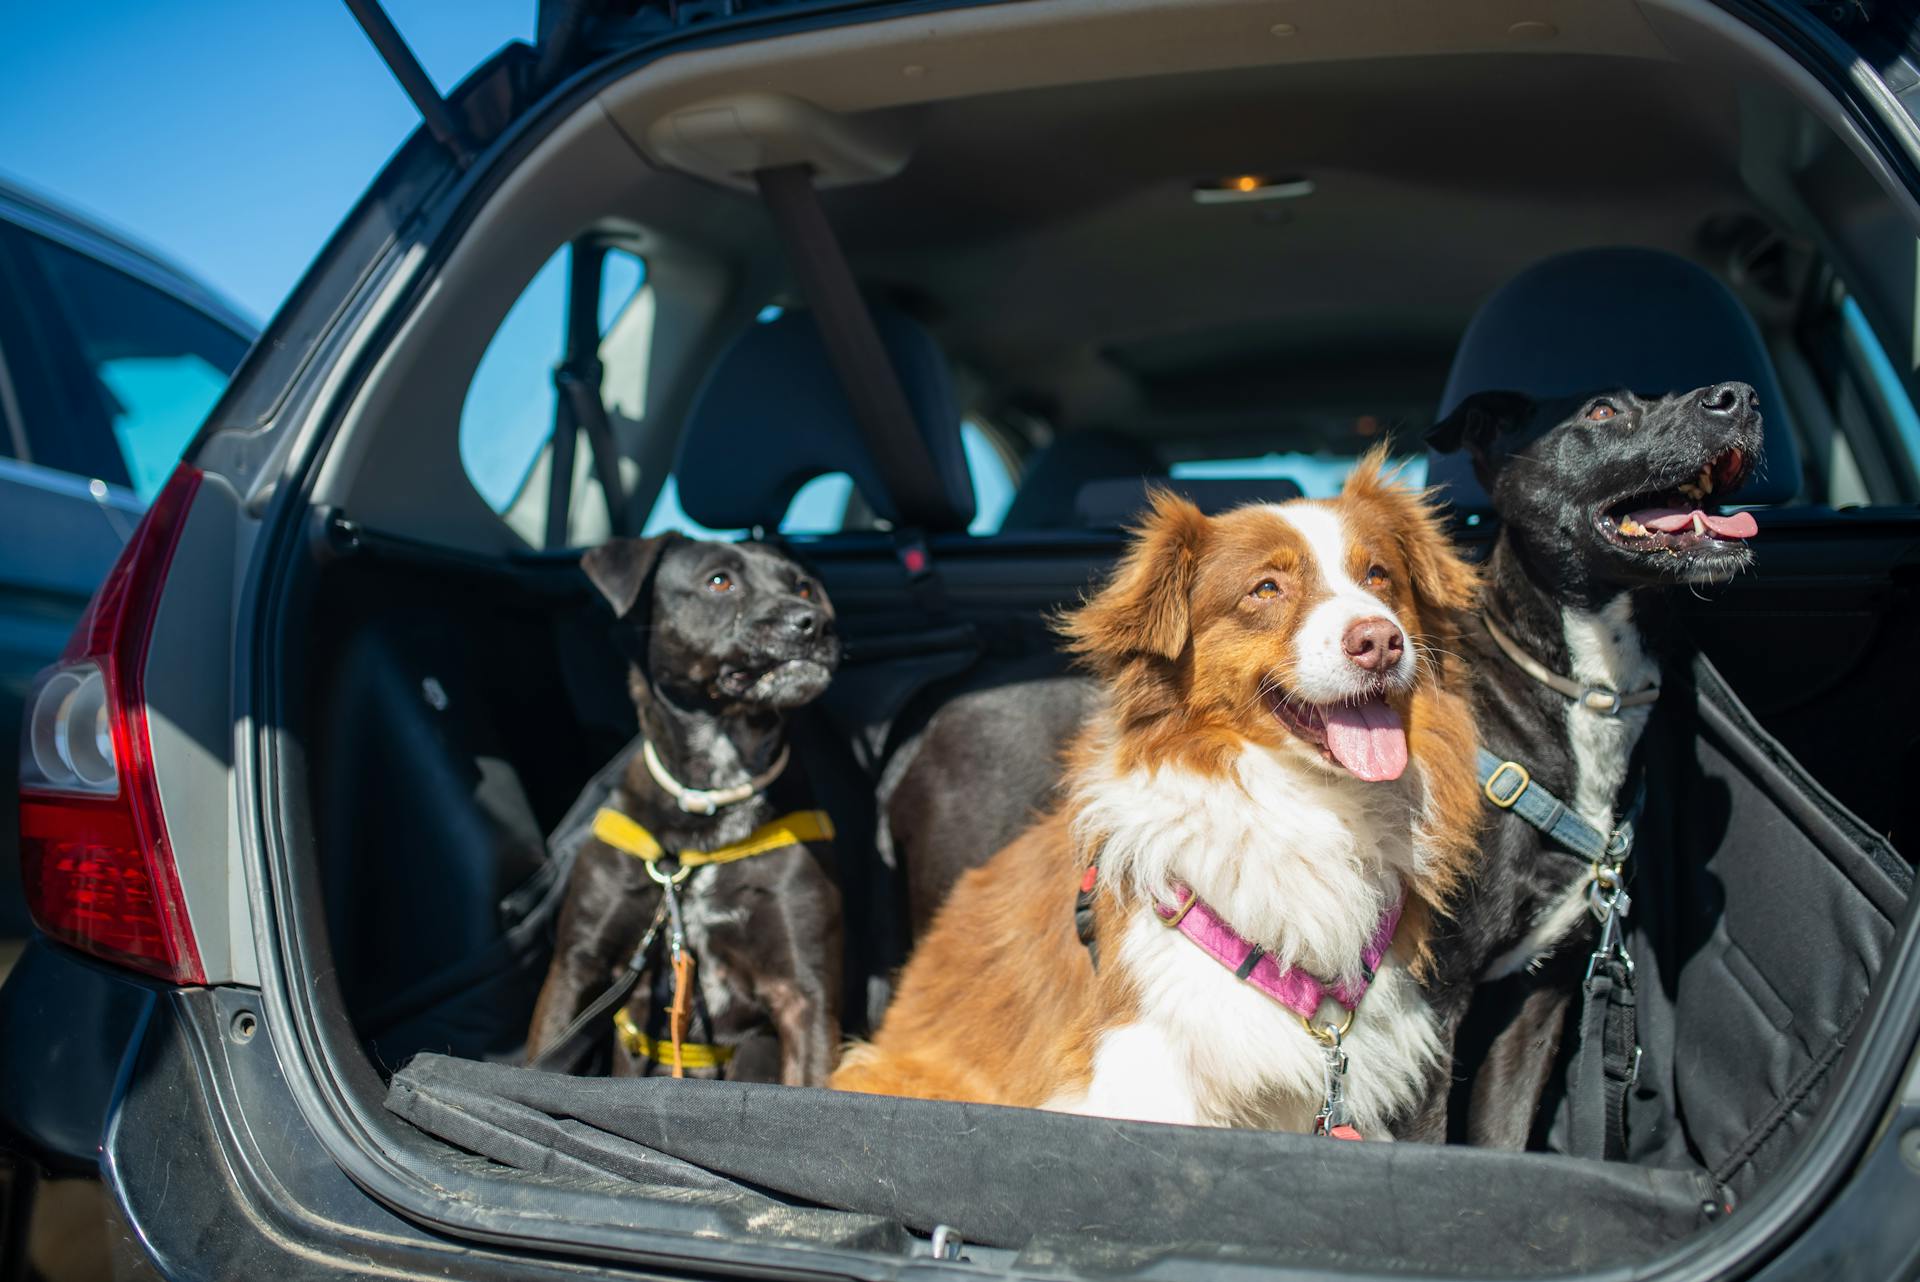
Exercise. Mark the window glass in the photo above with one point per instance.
(1319, 476)
(506, 422)
(1883, 387)
(158, 364)
(992, 480)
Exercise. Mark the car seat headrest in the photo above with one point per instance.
(1046, 499)
(1595, 319)
(772, 415)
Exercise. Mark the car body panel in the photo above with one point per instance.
(210, 1136)
(191, 728)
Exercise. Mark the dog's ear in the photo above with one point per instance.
(620, 568)
(1480, 420)
(1442, 580)
(1145, 608)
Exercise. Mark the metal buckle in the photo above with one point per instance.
(1620, 843)
(680, 873)
(1526, 781)
(1601, 700)
(1185, 908)
(1330, 1036)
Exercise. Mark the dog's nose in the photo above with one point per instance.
(805, 622)
(1728, 398)
(1374, 643)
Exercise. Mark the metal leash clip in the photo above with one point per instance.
(1334, 1112)
(1608, 897)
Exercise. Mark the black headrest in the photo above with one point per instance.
(1642, 319)
(1051, 484)
(772, 416)
(1113, 504)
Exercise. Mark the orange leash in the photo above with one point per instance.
(680, 1014)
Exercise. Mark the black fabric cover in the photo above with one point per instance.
(1021, 1178)
(772, 416)
(1762, 913)
(1601, 318)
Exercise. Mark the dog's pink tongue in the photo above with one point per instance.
(1367, 739)
(1672, 520)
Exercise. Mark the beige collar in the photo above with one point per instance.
(705, 801)
(1604, 700)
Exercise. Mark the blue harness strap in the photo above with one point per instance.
(1508, 785)
(1607, 1061)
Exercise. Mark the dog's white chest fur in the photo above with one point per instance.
(1603, 649)
(1304, 864)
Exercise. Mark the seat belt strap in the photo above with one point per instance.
(860, 360)
(578, 408)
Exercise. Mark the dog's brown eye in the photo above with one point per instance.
(1265, 590)
(804, 589)
(1602, 411)
(719, 581)
(1377, 576)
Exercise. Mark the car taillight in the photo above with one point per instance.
(94, 854)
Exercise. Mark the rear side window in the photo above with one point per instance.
(156, 365)
(507, 421)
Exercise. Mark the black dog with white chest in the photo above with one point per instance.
(704, 850)
(1605, 504)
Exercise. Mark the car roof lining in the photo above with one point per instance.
(1044, 229)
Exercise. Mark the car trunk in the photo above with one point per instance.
(446, 705)
(461, 705)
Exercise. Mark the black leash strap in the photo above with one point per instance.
(1607, 1062)
(566, 1052)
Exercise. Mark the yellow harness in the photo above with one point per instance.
(623, 834)
(796, 829)
(657, 1049)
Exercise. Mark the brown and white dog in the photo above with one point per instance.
(1283, 745)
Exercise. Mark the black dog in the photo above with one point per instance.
(1602, 502)
(724, 639)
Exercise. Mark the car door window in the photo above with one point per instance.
(157, 365)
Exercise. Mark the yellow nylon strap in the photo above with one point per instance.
(692, 1054)
(795, 829)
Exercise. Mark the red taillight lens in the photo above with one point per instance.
(94, 854)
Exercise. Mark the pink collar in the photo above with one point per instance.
(1295, 989)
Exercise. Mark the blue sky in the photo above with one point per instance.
(232, 137)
